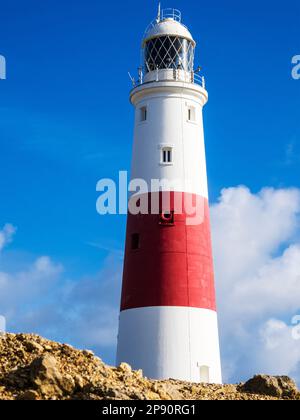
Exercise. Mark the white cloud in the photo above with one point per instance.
(42, 299)
(6, 235)
(20, 288)
(44, 266)
(278, 352)
(292, 152)
(257, 264)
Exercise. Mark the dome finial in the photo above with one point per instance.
(159, 13)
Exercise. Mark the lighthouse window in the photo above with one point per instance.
(143, 114)
(135, 241)
(191, 113)
(167, 155)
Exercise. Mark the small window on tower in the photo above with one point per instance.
(135, 241)
(143, 113)
(167, 155)
(191, 114)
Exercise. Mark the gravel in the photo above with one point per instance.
(33, 368)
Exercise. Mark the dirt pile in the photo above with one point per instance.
(33, 368)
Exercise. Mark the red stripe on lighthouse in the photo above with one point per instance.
(172, 265)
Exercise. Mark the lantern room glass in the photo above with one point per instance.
(169, 52)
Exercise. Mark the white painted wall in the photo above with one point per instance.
(167, 124)
(170, 342)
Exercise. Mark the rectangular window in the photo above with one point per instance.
(167, 155)
(191, 113)
(143, 113)
(135, 241)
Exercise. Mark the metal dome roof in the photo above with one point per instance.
(167, 26)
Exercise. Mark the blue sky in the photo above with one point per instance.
(66, 122)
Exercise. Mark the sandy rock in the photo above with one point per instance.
(33, 346)
(33, 368)
(288, 387)
(30, 395)
(47, 379)
(166, 391)
(78, 381)
(47, 348)
(124, 367)
(275, 386)
(88, 353)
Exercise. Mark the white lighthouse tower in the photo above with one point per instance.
(168, 321)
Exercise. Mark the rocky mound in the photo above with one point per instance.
(33, 368)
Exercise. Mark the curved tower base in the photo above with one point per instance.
(149, 340)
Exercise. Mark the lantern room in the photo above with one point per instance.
(168, 48)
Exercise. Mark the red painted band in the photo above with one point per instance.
(172, 265)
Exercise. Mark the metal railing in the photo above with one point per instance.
(163, 14)
(198, 79)
(170, 13)
(193, 78)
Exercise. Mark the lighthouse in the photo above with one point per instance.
(168, 321)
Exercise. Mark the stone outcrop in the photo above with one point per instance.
(274, 386)
(32, 368)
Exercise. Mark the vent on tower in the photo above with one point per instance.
(167, 218)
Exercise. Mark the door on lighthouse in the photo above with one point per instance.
(204, 374)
